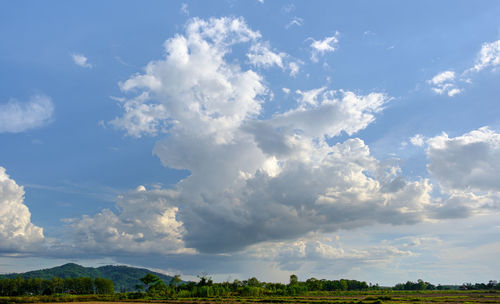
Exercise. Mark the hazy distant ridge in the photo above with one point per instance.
(125, 278)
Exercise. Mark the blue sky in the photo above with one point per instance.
(252, 138)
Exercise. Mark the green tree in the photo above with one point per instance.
(150, 280)
(85, 285)
(294, 280)
(57, 285)
(253, 282)
(175, 281)
(104, 286)
(314, 284)
(205, 280)
(343, 284)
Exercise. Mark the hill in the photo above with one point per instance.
(124, 278)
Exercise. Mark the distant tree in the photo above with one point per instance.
(150, 280)
(205, 280)
(294, 280)
(343, 285)
(314, 284)
(421, 285)
(57, 285)
(85, 285)
(175, 281)
(236, 284)
(159, 289)
(104, 286)
(253, 282)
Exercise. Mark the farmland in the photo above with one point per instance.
(382, 296)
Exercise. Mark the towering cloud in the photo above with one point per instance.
(17, 233)
(251, 179)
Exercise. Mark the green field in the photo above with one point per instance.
(313, 298)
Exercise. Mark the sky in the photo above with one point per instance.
(327, 139)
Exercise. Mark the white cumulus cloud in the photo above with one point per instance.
(256, 180)
(445, 83)
(294, 68)
(470, 161)
(16, 116)
(488, 56)
(320, 253)
(17, 233)
(81, 60)
(417, 140)
(261, 55)
(145, 223)
(141, 118)
(320, 47)
(467, 169)
(200, 91)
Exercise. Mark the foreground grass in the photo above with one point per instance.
(353, 297)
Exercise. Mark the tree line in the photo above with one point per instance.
(421, 285)
(36, 286)
(154, 287)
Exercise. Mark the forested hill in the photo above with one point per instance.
(124, 278)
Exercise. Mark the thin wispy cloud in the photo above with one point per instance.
(261, 55)
(123, 62)
(296, 21)
(288, 8)
(184, 9)
(17, 116)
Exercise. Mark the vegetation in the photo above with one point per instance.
(124, 278)
(331, 297)
(155, 289)
(36, 286)
(152, 287)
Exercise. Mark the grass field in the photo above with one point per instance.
(392, 297)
